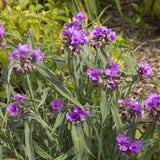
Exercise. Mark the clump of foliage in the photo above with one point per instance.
(84, 110)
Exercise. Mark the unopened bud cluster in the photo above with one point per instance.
(128, 111)
(26, 59)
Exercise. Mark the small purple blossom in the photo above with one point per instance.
(77, 37)
(113, 36)
(93, 73)
(72, 116)
(19, 97)
(1, 29)
(12, 108)
(151, 101)
(37, 54)
(146, 69)
(80, 112)
(123, 142)
(57, 104)
(76, 20)
(81, 15)
(96, 32)
(24, 49)
(14, 54)
(68, 24)
(104, 30)
(136, 146)
(111, 72)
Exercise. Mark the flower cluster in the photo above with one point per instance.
(125, 145)
(27, 57)
(128, 110)
(12, 108)
(143, 71)
(75, 34)
(77, 115)
(110, 78)
(153, 103)
(101, 36)
(2, 32)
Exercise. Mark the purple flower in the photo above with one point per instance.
(136, 146)
(76, 37)
(57, 104)
(65, 32)
(68, 24)
(76, 20)
(14, 54)
(146, 69)
(37, 54)
(135, 106)
(80, 112)
(24, 49)
(104, 30)
(112, 83)
(123, 142)
(151, 101)
(111, 72)
(113, 36)
(95, 33)
(1, 29)
(12, 108)
(93, 73)
(72, 116)
(81, 15)
(19, 97)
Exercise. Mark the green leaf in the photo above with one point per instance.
(49, 75)
(119, 7)
(59, 120)
(23, 3)
(117, 120)
(28, 139)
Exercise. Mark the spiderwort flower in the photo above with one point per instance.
(95, 33)
(19, 97)
(80, 112)
(57, 104)
(146, 69)
(37, 54)
(93, 73)
(1, 29)
(151, 101)
(123, 142)
(136, 146)
(24, 49)
(80, 15)
(12, 108)
(72, 116)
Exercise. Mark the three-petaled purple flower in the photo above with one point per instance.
(72, 116)
(152, 100)
(77, 113)
(19, 97)
(24, 49)
(37, 54)
(80, 111)
(1, 29)
(123, 142)
(57, 104)
(93, 73)
(12, 108)
(136, 146)
(146, 69)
